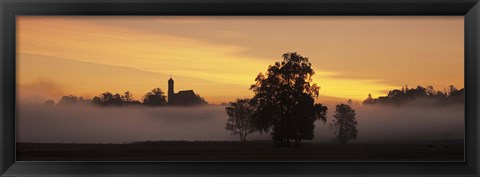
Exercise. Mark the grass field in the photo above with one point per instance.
(237, 151)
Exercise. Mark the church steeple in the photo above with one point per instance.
(171, 91)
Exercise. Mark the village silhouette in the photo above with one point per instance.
(156, 97)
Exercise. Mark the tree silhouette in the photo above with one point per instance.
(66, 100)
(49, 102)
(285, 99)
(117, 100)
(456, 95)
(406, 95)
(369, 99)
(344, 123)
(240, 118)
(127, 97)
(156, 97)
(108, 99)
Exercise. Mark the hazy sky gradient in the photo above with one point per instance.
(219, 57)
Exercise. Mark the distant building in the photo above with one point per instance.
(183, 97)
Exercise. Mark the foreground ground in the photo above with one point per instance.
(237, 151)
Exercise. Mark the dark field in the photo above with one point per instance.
(237, 151)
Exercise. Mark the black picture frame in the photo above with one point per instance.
(9, 9)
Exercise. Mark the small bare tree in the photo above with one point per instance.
(240, 118)
(344, 123)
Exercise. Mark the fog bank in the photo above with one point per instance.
(93, 124)
(402, 124)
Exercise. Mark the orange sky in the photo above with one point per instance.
(219, 57)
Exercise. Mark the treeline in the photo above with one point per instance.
(156, 97)
(406, 95)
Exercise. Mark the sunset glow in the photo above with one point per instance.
(219, 57)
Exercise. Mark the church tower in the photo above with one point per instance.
(171, 92)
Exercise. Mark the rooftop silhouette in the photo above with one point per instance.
(183, 97)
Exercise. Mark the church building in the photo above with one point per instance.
(183, 97)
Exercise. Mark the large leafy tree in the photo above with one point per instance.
(240, 118)
(344, 123)
(284, 97)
